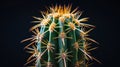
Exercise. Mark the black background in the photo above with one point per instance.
(15, 18)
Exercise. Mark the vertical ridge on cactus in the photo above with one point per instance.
(60, 39)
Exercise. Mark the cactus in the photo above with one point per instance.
(60, 39)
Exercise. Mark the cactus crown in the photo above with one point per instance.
(60, 36)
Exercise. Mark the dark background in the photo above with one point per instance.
(15, 18)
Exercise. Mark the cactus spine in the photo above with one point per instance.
(60, 39)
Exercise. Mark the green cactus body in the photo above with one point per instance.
(60, 39)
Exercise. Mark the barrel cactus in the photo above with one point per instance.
(60, 39)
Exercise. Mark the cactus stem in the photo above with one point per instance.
(57, 32)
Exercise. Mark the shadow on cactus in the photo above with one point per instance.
(60, 39)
